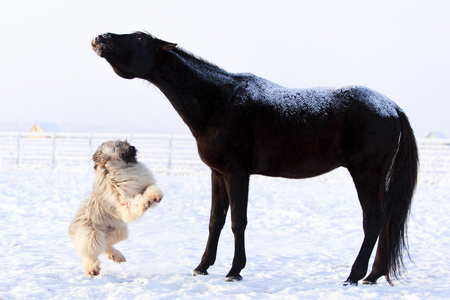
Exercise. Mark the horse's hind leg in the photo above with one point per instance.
(368, 189)
(379, 267)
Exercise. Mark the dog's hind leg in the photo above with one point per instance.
(116, 235)
(91, 266)
(90, 245)
(115, 255)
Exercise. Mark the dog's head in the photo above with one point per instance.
(114, 151)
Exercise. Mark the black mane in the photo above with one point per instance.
(185, 54)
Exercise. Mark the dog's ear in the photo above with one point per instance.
(127, 152)
(129, 155)
(99, 159)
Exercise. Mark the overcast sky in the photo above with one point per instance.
(50, 74)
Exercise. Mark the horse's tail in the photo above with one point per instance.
(400, 184)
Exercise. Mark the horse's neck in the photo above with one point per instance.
(195, 88)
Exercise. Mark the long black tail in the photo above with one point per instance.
(401, 182)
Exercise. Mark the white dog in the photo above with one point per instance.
(123, 190)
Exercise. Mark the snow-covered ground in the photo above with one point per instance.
(302, 237)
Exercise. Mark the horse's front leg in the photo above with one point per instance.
(237, 184)
(219, 209)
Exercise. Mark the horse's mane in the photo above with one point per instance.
(188, 56)
(192, 57)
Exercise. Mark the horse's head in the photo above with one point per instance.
(130, 55)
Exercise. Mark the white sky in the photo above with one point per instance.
(49, 73)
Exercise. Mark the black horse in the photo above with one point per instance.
(244, 125)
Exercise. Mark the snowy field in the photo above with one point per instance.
(302, 237)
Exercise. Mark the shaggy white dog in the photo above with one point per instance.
(123, 190)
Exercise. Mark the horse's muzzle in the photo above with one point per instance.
(101, 43)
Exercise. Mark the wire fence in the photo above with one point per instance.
(163, 153)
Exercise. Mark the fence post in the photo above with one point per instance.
(18, 148)
(170, 153)
(90, 143)
(54, 149)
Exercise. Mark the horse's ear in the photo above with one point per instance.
(168, 46)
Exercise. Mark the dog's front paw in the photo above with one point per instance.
(157, 197)
(150, 203)
(153, 196)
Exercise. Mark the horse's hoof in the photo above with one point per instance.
(197, 272)
(350, 282)
(233, 278)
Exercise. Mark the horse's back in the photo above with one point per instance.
(318, 108)
(314, 102)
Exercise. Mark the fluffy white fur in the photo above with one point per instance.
(123, 190)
